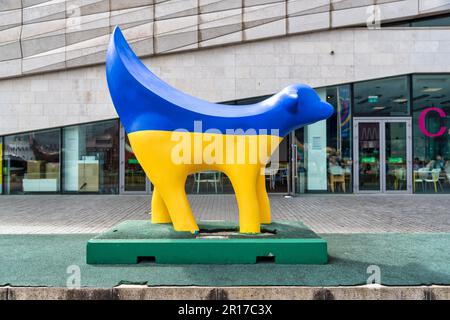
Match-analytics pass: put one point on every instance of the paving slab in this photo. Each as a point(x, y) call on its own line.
point(55, 214)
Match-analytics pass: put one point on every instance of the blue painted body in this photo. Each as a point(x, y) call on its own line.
point(145, 102)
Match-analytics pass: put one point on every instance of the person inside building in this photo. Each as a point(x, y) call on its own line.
point(439, 163)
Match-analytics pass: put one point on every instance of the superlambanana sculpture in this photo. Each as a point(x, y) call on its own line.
point(174, 135)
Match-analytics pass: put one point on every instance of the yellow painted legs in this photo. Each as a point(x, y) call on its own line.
point(168, 161)
point(243, 179)
point(253, 203)
point(173, 194)
point(160, 214)
point(263, 199)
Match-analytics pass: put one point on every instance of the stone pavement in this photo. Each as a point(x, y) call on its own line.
point(50, 214)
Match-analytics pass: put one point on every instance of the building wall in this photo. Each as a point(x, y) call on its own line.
point(42, 35)
point(231, 72)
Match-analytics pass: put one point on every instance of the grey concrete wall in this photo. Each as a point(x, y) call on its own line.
point(137, 292)
point(226, 73)
point(42, 35)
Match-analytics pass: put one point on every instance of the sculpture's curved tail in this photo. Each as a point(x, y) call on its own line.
point(145, 102)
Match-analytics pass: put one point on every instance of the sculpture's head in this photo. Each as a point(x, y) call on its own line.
point(304, 106)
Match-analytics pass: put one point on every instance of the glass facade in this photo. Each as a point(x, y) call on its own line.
point(91, 158)
point(431, 133)
point(369, 151)
point(396, 149)
point(31, 162)
point(387, 135)
point(323, 151)
point(134, 175)
point(1, 165)
point(380, 98)
point(427, 22)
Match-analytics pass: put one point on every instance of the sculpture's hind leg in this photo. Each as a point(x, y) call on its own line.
point(160, 214)
point(174, 195)
point(243, 179)
point(263, 198)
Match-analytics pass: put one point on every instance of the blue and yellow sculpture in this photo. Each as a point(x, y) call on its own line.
point(174, 135)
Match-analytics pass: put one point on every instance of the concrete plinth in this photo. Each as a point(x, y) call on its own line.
point(133, 241)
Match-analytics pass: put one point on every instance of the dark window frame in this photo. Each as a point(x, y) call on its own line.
point(118, 123)
point(409, 22)
point(3, 138)
point(61, 154)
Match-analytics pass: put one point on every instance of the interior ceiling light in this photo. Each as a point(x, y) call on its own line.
point(400, 100)
point(431, 89)
point(379, 108)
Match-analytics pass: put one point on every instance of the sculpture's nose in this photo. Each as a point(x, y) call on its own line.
point(326, 110)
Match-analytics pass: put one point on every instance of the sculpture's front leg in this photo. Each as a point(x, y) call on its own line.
point(173, 193)
point(243, 178)
point(160, 213)
point(263, 198)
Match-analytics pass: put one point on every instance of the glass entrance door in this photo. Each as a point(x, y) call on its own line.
point(369, 156)
point(382, 155)
point(132, 177)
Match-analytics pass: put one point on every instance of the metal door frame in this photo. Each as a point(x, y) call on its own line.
point(292, 150)
point(382, 123)
point(122, 169)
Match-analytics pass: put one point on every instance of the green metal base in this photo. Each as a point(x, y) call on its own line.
point(133, 241)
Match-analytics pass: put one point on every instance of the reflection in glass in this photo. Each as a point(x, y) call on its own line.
point(90, 154)
point(31, 162)
point(431, 154)
point(134, 174)
point(369, 156)
point(339, 141)
point(1, 165)
point(277, 176)
point(209, 182)
point(396, 159)
point(337, 136)
point(384, 97)
point(299, 161)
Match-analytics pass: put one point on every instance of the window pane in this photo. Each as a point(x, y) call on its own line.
point(396, 141)
point(316, 152)
point(385, 97)
point(135, 178)
point(1, 165)
point(369, 156)
point(277, 175)
point(431, 124)
point(339, 143)
point(324, 150)
point(435, 21)
point(31, 162)
point(90, 154)
point(441, 21)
